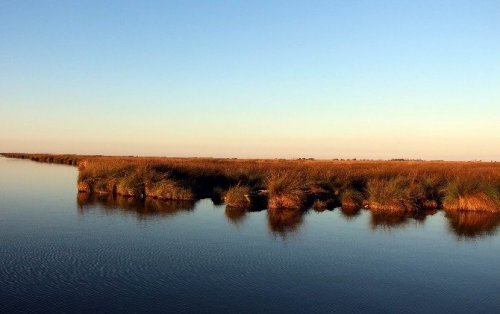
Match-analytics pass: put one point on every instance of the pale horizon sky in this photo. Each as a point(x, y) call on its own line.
point(258, 79)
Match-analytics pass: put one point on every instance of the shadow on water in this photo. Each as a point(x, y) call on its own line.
point(284, 221)
point(142, 208)
point(473, 224)
point(350, 212)
point(235, 215)
point(388, 220)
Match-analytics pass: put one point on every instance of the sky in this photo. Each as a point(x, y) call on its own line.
point(254, 79)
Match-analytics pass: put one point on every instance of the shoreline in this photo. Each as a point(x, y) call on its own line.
point(381, 186)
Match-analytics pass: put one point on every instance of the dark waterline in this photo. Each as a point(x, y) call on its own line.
point(60, 251)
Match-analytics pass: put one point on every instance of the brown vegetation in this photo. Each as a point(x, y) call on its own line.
point(394, 194)
point(472, 196)
point(237, 197)
point(392, 186)
point(321, 205)
point(351, 199)
point(286, 190)
point(66, 159)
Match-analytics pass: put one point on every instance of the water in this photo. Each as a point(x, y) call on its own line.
point(63, 253)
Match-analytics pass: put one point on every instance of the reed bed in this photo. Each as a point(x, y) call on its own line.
point(351, 199)
point(393, 194)
point(286, 190)
point(237, 196)
point(472, 195)
point(390, 186)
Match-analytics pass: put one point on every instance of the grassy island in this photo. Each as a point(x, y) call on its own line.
point(386, 186)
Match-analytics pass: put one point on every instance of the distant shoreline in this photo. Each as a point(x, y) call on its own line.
point(43, 157)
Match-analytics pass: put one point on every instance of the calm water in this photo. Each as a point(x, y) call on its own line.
point(60, 252)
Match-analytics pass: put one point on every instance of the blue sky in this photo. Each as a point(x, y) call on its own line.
point(324, 79)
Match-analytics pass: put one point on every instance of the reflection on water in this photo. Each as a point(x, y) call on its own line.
point(389, 220)
point(285, 221)
point(472, 224)
point(59, 253)
point(235, 215)
point(143, 209)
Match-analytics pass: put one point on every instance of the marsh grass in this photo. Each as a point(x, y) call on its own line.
point(321, 205)
point(236, 197)
point(66, 159)
point(285, 191)
point(393, 195)
point(130, 185)
point(472, 196)
point(385, 185)
point(168, 190)
point(351, 199)
point(430, 190)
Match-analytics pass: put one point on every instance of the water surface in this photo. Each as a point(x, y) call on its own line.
point(63, 252)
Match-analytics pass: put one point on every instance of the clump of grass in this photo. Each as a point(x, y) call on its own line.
point(429, 190)
point(350, 213)
point(351, 199)
point(167, 189)
point(321, 205)
point(101, 187)
point(85, 186)
point(130, 185)
point(472, 195)
point(104, 186)
point(236, 197)
point(391, 195)
point(285, 191)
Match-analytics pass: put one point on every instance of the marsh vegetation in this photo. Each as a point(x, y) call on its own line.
point(383, 186)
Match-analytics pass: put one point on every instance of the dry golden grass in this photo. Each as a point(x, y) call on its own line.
point(394, 194)
point(236, 197)
point(351, 199)
point(387, 185)
point(168, 190)
point(286, 190)
point(321, 205)
point(472, 196)
point(49, 158)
